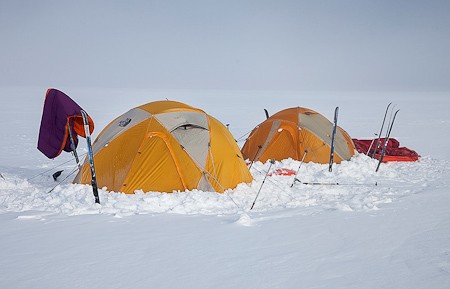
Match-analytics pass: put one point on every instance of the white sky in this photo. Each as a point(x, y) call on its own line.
point(279, 45)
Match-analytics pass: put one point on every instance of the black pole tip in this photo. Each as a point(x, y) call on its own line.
point(56, 175)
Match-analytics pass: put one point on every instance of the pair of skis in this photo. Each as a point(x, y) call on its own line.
point(387, 136)
point(378, 143)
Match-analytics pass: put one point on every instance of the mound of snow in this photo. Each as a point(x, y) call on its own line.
point(359, 188)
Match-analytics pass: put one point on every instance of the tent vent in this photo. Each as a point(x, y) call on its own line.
point(188, 126)
point(124, 123)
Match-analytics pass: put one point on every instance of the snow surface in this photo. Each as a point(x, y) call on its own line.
point(389, 229)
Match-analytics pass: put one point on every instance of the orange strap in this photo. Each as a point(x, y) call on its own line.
point(169, 147)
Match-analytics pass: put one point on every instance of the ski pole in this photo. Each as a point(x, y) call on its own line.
point(253, 160)
point(336, 184)
point(271, 163)
point(368, 150)
point(301, 162)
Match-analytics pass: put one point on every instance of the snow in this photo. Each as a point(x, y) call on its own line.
point(389, 229)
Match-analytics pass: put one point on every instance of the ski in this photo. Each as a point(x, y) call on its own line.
point(90, 155)
point(330, 167)
point(381, 131)
point(386, 140)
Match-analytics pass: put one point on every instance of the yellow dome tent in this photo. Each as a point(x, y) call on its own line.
point(291, 132)
point(166, 146)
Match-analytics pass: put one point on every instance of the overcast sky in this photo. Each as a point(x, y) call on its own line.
point(261, 45)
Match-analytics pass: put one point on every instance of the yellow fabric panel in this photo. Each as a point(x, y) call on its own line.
point(113, 162)
point(154, 169)
point(318, 150)
point(283, 144)
point(225, 163)
point(162, 106)
point(161, 164)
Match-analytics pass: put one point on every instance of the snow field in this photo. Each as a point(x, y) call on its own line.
point(359, 189)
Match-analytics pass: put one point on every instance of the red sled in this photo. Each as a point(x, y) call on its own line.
point(393, 153)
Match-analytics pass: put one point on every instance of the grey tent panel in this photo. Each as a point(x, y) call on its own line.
point(323, 128)
point(191, 131)
point(204, 185)
point(120, 125)
point(173, 120)
point(195, 142)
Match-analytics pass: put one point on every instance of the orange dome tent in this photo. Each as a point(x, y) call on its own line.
point(166, 146)
point(292, 132)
